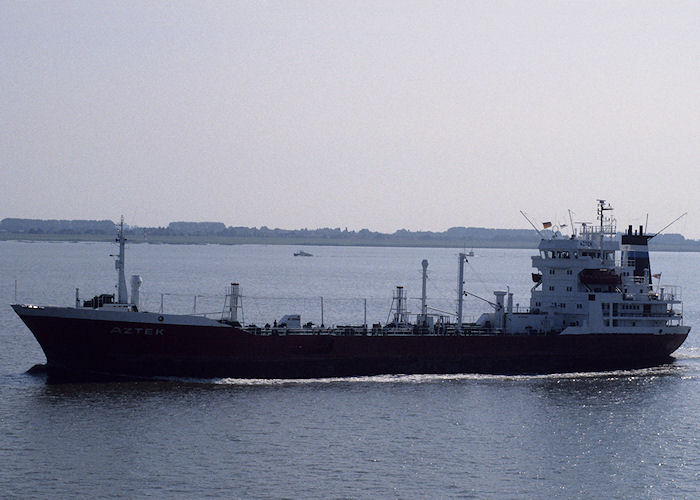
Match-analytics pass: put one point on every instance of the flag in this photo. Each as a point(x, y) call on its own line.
point(657, 276)
point(547, 224)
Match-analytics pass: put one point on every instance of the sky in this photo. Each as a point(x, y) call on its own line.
point(376, 114)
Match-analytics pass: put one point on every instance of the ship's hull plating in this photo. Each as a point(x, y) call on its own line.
point(160, 346)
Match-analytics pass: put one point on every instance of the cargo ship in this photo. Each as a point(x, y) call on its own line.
point(593, 306)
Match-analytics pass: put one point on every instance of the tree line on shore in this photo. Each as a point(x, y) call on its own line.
point(218, 231)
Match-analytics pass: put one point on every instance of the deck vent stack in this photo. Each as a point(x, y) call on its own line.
point(400, 302)
point(500, 309)
point(234, 294)
point(136, 282)
point(509, 303)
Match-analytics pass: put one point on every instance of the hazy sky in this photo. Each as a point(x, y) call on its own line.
point(380, 115)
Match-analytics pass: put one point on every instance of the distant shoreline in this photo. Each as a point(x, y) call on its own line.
point(352, 241)
point(253, 240)
point(202, 233)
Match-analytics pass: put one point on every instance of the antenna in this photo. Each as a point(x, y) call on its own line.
point(528, 219)
point(669, 225)
point(571, 220)
point(602, 208)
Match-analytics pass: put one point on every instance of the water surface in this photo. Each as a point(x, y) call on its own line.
point(624, 434)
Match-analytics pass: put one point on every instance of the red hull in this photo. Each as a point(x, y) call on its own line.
point(147, 349)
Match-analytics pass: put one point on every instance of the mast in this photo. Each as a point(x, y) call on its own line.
point(602, 208)
point(460, 298)
point(119, 265)
point(422, 318)
point(423, 299)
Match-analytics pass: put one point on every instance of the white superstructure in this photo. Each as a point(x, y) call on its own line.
point(583, 286)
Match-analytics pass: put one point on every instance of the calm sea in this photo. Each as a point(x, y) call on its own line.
point(623, 434)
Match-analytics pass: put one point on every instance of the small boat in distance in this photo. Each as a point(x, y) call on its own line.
point(302, 253)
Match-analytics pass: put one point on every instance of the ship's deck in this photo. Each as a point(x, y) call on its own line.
point(375, 330)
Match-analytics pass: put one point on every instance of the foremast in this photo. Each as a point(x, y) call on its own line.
point(122, 297)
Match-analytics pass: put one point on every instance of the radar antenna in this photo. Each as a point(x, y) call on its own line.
point(602, 208)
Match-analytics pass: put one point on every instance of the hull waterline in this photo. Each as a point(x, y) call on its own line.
point(165, 348)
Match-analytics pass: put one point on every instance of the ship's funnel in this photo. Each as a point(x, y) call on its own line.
point(635, 252)
point(136, 282)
